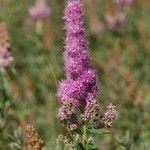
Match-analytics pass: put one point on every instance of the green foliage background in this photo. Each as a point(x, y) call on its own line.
point(121, 57)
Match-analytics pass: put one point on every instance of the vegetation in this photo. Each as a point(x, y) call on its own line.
point(28, 86)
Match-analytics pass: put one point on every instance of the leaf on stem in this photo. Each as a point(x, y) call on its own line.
point(98, 131)
point(92, 146)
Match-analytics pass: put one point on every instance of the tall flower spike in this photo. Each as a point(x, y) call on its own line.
point(95, 25)
point(6, 57)
point(39, 10)
point(115, 20)
point(33, 141)
point(80, 84)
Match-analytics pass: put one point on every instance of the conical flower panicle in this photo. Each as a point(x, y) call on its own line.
point(79, 90)
point(80, 83)
point(115, 21)
point(32, 139)
point(114, 18)
point(76, 54)
point(4, 39)
point(6, 57)
point(40, 10)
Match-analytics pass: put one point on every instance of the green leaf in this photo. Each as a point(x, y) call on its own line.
point(92, 146)
point(80, 145)
point(99, 131)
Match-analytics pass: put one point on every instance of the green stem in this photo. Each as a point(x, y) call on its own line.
point(5, 83)
point(39, 27)
point(84, 138)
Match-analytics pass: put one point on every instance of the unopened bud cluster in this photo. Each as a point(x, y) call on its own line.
point(67, 115)
point(91, 111)
point(106, 119)
point(67, 142)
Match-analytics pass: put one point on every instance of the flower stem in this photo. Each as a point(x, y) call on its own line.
point(84, 137)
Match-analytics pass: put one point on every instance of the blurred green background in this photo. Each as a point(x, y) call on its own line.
point(121, 58)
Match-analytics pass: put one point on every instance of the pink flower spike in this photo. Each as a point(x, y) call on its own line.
point(39, 10)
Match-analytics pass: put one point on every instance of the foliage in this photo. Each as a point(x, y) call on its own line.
point(28, 87)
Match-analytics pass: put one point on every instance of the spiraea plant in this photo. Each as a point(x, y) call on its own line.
point(32, 139)
point(39, 14)
point(79, 111)
point(25, 137)
point(6, 104)
point(40, 10)
point(6, 57)
point(114, 18)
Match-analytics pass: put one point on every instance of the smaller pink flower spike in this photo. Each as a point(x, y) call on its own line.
point(39, 10)
point(115, 21)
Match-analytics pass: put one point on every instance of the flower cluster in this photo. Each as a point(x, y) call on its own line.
point(95, 25)
point(125, 2)
point(106, 119)
point(80, 84)
point(91, 111)
point(67, 116)
point(115, 20)
point(32, 139)
point(39, 10)
point(6, 57)
point(79, 90)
